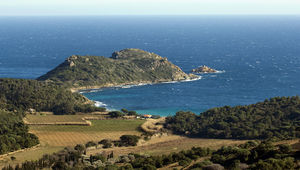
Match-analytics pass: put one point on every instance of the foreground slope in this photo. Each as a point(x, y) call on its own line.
point(128, 66)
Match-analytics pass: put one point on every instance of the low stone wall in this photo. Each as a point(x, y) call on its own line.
point(17, 151)
point(87, 123)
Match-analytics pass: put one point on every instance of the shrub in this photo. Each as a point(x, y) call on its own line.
point(129, 140)
point(107, 145)
point(124, 110)
point(155, 117)
point(80, 148)
point(116, 114)
point(183, 163)
point(104, 141)
point(132, 113)
point(90, 144)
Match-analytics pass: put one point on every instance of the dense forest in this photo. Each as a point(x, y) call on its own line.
point(14, 133)
point(22, 94)
point(277, 118)
point(256, 155)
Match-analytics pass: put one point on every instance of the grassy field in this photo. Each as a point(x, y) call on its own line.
point(30, 154)
point(97, 126)
point(70, 135)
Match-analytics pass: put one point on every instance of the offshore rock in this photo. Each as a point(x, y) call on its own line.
point(204, 69)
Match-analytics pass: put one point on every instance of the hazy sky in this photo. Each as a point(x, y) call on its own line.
point(148, 7)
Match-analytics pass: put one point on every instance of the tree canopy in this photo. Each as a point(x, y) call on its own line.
point(42, 96)
point(277, 117)
point(14, 133)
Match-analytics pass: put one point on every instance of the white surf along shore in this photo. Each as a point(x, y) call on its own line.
point(102, 104)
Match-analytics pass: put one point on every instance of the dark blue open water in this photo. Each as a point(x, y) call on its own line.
point(260, 55)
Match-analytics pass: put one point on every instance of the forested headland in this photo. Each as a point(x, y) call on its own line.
point(277, 118)
point(20, 94)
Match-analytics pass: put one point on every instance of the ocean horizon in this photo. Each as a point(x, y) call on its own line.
point(259, 56)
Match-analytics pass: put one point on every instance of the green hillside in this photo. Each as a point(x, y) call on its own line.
point(129, 66)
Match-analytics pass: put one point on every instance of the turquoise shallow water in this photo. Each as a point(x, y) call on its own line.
point(260, 55)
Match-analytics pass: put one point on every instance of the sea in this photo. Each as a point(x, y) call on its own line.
point(258, 56)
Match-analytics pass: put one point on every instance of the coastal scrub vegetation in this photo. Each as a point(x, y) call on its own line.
point(128, 66)
point(256, 155)
point(277, 118)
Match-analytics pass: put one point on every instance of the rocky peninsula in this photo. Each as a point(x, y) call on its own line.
point(125, 67)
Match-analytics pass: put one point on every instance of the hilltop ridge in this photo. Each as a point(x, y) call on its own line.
point(128, 66)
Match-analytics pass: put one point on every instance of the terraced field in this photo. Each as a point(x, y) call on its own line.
point(55, 137)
